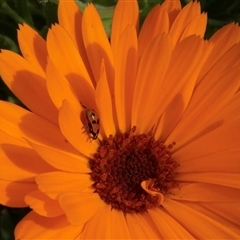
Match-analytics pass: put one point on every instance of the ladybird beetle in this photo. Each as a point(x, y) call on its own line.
point(93, 122)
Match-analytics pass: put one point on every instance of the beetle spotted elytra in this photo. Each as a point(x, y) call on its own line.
point(93, 122)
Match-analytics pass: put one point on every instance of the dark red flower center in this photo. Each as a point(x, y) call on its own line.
point(123, 162)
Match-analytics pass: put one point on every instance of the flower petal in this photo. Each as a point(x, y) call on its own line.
point(229, 32)
point(196, 27)
point(126, 13)
point(22, 124)
point(12, 193)
point(62, 160)
point(56, 183)
point(203, 227)
point(19, 161)
point(69, 62)
point(153, 67)
point(59, 88)
point(205, 192)
point(174, 111)
point(34, 226)
point(204, 105)
point(20, 75)
point(33, 48)
point(43, 205)
point(184, 18)
point(167, 226)
point(230, 211)
point(156, 23)
point(221, 139)
point(141, 226)
point(222, 161)
point(72, 128)
point(105, 105)
point(80, 207)
point(223, 179)
point(227, 61)
point(173, 8)
point(112, 225)
point(185, 58)
point(70, 18)
point(119, 227)
point(199, 207)
point(125, 75)
point(147, 186)
point(223, 40)
point(97, 44)
point(168, 83)
point(102, 229)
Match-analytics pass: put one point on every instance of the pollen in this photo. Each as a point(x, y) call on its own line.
point(123, 162)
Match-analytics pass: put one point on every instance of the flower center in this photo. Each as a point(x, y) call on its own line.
point(124, 164)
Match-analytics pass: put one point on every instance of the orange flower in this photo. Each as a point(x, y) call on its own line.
point(133, 139)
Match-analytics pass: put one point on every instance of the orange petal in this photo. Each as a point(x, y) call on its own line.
point(59, 88)
point(223, 179)
point(156, 23)
point(173, 8)
point(20, 75)
point(225, 51)
point(196, 27)
point(167, 226)
point(96, 43)
point(19, 161)
point(214, 162)
point(228, 112)
point(230, 32)
point(12, 193)
point(112, 225)
point(70, 18)
point(207, 108)
point(220, 139)
point(33, 48)
point(126, 70)
point(119, 227)
point(43, 205)
point(34, 226)
point(80, 207)
point(105, 105)
point(199, 207)
point(163, 92)
point(184, 18)
point(73, 129)
point(204, 192)
point(126, 13)
point(230, 211)
point(153, 67)
point(185, 58)
point(147, 186)
point(22, 124)
point(62, 160)
point(56, 183)
point(202, 227)
point(141, 226)
point(102, 229)
point(175, 109)
point(69, 62)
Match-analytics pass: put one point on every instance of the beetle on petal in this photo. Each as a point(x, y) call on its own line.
point(93, 122)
